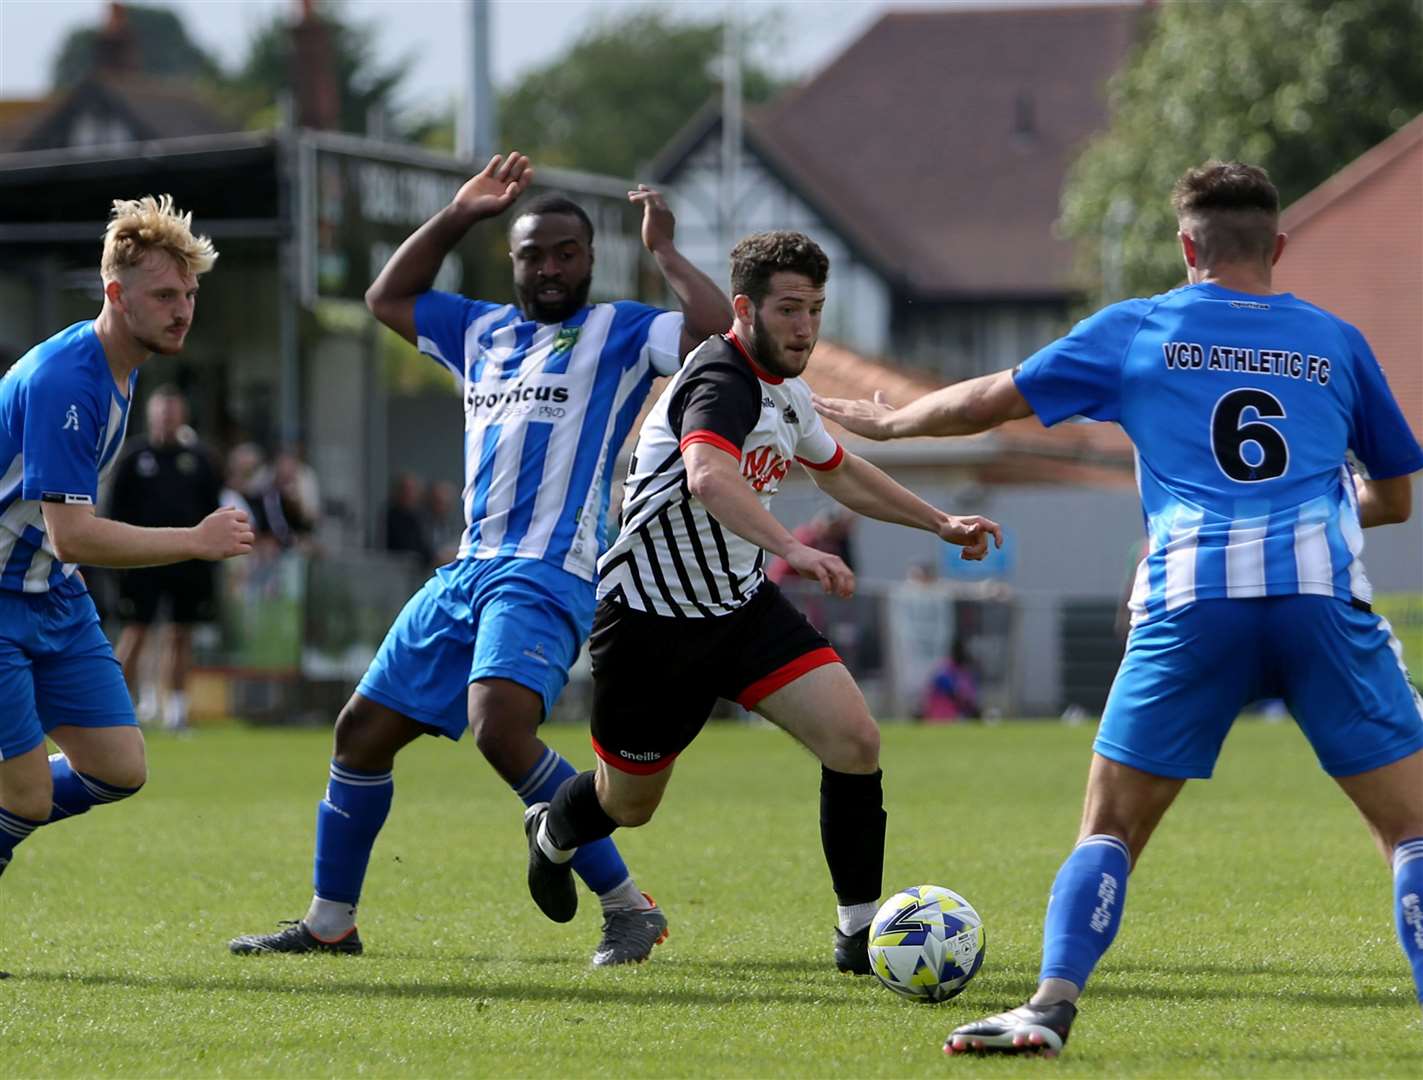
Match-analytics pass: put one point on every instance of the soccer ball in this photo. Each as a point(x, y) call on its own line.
point(926, 943)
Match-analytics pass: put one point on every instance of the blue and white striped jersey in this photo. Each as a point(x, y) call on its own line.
point(1243, 410)
point(62, 421)
point(546, 408)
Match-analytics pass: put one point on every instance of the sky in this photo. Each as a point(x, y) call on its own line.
point(527, 33)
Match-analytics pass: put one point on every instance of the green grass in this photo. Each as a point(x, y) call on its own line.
point(1257, 939)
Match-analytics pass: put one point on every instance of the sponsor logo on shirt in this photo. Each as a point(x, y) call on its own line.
point(71, 419)
point(542, 402)
point(764, 468)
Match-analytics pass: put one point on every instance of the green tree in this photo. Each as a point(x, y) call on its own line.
point(1299, 88)
point(163, 48)
point(364, 85)
point(621, 92)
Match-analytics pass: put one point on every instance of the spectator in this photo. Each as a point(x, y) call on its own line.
point(286, 499)
point(829, 531)
point(446, 521)
point(405, 526)
point(244, 465)
point(952, 691)
point(168, 479)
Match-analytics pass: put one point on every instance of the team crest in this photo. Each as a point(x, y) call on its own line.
point(564, 340)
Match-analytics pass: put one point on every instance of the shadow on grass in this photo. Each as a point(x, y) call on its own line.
point(602, 992)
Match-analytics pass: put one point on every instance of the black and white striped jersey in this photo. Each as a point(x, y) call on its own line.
point(671, 556)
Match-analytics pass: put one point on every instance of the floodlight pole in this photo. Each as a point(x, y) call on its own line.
point(474, 130)
point(730, 126)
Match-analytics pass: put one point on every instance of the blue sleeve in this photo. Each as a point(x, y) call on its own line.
point(62, 433)
point(1379, 434)
point(441, 319)
point(652, 335)
point(1081, 374)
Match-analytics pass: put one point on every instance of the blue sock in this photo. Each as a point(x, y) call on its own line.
point(1408, 904)
point(598, 864)
point(347, 822)
point(13, 829)
point(75, 792)
point(1085, 908)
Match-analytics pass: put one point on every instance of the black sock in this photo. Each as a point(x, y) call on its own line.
point(575, 817)
point(852, 822)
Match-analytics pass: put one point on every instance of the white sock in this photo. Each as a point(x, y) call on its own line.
point(854, 918)
point(624, 897)
point(555, 854)
point(148, 702)
point(330, 920)
point(175, 710)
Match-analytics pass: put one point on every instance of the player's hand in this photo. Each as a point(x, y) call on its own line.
point(222, 534)
point(834, 576)
point(867, 418)
point(658, 224)
point(970, 533)
point(494, 188)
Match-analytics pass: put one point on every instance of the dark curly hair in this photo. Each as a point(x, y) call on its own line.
point(755, 259)
point(552, 202)
point(1231, 210)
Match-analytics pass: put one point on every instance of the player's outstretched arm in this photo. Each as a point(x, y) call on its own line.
point(412, 269)
point(964, 408)
point(78, 535)
point(869, 491)
point(705, 308)
point(715, 479)
point(1384, 502)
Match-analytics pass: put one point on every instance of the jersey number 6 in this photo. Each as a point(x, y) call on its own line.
point(1229, 436)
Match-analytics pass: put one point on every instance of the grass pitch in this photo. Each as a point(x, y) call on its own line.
point(1257, 938)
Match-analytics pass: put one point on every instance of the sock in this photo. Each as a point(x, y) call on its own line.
point(330, 920)
point(75, 792)
point(575, 817)
point(1085, 908)
point(347, 822)
point(852, 918)
point(626, 897)
point(597, 860)
point(175, 710)
point(13, 829)
point(852, 823)
point(1408, 905)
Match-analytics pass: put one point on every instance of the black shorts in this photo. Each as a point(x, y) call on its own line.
point(656, 678)
point(188, 587)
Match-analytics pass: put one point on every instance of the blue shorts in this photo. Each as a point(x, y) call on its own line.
point(1188, 673)
point(517, 619)
point(56, 667)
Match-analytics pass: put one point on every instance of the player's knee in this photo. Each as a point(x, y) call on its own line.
point(131, 774)
point(360, 739)
point(856, 747)
point(629, 814)
point(503, 745)
point(31, 802)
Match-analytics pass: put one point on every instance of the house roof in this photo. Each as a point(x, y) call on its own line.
point(936, 144)
point(149, 108)
point(1356, 249)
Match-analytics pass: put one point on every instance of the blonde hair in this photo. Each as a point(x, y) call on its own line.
point(138, 226)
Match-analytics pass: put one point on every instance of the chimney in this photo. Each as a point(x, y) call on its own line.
point(116, 48)
point(313, 72)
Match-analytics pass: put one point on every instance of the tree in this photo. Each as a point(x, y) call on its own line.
point(1298, 88)
point(621, 92)
point(162, 48)
point(364, 87)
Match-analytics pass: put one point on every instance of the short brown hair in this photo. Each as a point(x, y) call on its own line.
point(755, 259)
point(138, 226)
point(1230, 210)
